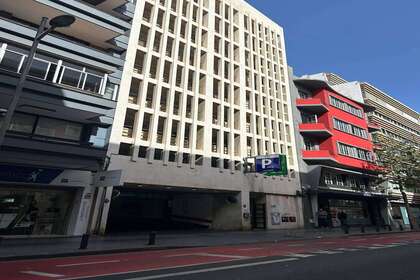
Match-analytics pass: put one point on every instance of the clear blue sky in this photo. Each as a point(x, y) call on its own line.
point(377, 41)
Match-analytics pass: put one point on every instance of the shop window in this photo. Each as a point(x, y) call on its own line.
point(31, 211)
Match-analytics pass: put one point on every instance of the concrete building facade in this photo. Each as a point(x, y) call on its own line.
point(59, 134)
point(205, 85)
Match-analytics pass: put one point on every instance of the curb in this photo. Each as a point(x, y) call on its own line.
point(158, 248)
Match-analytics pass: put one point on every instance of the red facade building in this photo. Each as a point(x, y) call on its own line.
point(337, 162)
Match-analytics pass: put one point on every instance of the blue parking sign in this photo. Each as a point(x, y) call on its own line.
point(271, 164)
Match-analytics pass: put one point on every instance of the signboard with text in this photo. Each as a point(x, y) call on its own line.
point(271, 165)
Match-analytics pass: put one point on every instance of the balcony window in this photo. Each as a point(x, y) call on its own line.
point(58, 129)
point(81, 79)
point(22, 123)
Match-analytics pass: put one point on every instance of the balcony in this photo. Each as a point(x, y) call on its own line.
point(58, 73)
point(313, 105)
point(106, 5)
point(318, 157)
point(314, 130)
point(373, 126)
point(91, 25)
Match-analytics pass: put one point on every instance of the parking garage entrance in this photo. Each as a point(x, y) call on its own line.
point(136, 209)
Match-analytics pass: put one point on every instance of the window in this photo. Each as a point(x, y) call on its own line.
point(354, 152)
point(214, 162)
point(158, 154)
point(22, 123)
point(125, 149)
point(58, 129)
point(334, 101)
point(172, 156)
point(349, 128)
point(142, 152)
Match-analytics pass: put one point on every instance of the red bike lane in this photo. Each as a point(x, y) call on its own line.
point(101, 265)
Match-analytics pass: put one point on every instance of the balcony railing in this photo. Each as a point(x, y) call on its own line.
point(56, 73)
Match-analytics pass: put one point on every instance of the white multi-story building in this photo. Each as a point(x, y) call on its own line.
point(205, 86)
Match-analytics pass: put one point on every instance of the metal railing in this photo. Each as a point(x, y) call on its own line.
point(56, 73)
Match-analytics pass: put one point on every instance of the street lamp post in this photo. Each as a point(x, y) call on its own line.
point(43, 29)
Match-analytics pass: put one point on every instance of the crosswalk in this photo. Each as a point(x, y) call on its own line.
point(351, 249)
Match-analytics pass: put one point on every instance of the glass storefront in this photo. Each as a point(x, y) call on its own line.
point(33, 211)
point(355, 210)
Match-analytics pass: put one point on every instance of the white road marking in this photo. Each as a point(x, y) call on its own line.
point(347, 249)
point(300, 255)
point(223, 256)
point(374, 248)
point(40, 273)
point(328, 242)
point(207, 255)
point(86, 263)
point(213, 269)
point(326, 252)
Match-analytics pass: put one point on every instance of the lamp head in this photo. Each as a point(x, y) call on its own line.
point(62, 21)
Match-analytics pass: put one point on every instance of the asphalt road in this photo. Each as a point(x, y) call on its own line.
point(395, 263)
point(382, 256)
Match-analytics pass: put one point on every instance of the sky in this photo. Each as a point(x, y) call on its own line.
point(376, 41)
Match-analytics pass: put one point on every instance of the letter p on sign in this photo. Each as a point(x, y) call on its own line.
point(266, 162)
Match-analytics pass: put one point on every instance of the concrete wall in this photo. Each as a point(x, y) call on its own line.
point(284, 212)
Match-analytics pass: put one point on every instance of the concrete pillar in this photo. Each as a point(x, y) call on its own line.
point(314, 203)
point(97, 200)
point(243, 197)
point(80, 216)
point(105, 210)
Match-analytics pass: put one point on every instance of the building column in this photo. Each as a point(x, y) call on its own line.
point(314, 204)
point(106, 203)
point(243, 198)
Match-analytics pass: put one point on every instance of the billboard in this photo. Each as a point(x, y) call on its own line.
point(271, 165)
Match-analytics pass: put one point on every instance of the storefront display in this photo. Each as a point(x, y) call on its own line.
point(34, 211)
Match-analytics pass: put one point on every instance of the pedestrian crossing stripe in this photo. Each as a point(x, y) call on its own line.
point(326, 252)
point(347, 249)
point(300, 255)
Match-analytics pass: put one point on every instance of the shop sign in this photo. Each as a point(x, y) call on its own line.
point(24, 174)
point(271, 165)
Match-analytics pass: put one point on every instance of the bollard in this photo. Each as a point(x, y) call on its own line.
point(152, 238)
point(362, 229)
point(84, 242)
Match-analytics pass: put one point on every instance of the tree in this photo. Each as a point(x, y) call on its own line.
point(399, 162)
